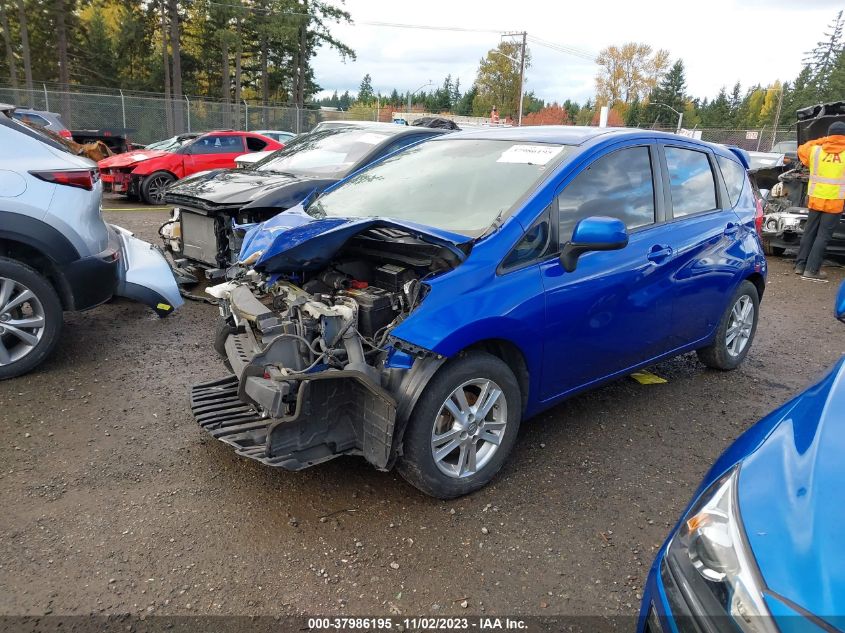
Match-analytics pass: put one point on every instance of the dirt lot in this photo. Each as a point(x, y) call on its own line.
point(114, 501)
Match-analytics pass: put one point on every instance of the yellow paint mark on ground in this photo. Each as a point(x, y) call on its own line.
point(647, 378)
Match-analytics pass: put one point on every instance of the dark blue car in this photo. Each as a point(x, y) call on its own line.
point(760, 547)
point(416, 313)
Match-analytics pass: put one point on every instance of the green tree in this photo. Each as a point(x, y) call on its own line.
point(671, 92)
point(634, 113)
point(497, 80)
point(365, 92)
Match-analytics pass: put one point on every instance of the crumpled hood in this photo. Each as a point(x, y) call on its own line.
point(128, 159)
point(240, 186)
point(293, 240)
point(792, 499)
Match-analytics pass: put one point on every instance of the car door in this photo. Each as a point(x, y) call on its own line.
point(614, 311)
point(705, 238)
point(215, 151)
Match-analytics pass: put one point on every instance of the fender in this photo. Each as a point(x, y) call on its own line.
point(39, 235)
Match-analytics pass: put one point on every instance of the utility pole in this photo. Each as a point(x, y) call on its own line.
point(521, 77)
point(777, 120)
point(524, 35)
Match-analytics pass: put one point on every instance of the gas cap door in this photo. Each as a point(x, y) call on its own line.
point(12, 184)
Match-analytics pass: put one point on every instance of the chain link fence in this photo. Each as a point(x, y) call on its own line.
point(145, 118)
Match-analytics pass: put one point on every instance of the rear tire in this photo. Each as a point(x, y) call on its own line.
point(30, 318)
point(735, 331)
point(479, 445)
point(153, 186)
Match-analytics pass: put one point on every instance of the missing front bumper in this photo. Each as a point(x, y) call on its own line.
point(336, 413)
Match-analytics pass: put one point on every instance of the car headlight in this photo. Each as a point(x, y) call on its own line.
point(713, 565)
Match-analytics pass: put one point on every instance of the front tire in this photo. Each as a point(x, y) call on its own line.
point(30, 318)
point(736, 330)
point(463, 427)
point(153, 186)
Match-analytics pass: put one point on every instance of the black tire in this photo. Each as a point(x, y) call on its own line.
point(417, 464)
point(718, 354)
point(221, 333)
point(768, 249)
point(44, 294)
point(152, 186)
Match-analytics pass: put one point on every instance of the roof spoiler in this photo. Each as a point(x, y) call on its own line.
point(741, 154)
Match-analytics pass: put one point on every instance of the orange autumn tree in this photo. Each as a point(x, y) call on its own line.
point(614, 119)
point(552, 114)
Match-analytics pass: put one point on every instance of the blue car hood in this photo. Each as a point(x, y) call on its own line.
point(792, 499)
point(293, 240)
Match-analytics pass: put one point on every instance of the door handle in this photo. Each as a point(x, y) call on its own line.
point(659, 253)
point(731, 228)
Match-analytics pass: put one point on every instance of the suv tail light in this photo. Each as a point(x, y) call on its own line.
point(758, 216)
point(80, 178)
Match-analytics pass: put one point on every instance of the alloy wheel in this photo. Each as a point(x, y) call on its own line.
point(22, 321)
point(156, 188)
point(469, 428)
point(740, 325)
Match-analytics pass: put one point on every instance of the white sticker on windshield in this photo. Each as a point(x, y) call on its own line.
point(529, 154)
point(370, 138)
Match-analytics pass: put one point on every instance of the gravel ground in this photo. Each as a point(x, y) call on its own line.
point(114, 501)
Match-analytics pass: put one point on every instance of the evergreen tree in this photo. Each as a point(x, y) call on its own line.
point(824, 56)
point(365, 92)
point(634, 113)
point(464, 105)
point(671, 92)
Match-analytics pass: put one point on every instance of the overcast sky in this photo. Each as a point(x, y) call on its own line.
point(720, 41)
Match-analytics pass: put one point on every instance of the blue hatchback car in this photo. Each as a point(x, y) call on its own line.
point(759, 549)
point(417, 312)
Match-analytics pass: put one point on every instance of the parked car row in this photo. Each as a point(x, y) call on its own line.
point(410, 296)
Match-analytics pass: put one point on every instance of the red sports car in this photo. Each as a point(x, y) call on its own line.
point(146, 173)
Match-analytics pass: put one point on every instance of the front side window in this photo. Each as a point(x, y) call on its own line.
point(734, 175)
point(619, 185)
point(460, 185)
point(691, 181)
point(536, 243)
point(217, 145)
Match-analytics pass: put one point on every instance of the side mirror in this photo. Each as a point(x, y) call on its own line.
point(839, 306)
point(593, 234)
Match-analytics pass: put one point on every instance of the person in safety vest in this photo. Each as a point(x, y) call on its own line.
point(826, 159)
point(494, 116)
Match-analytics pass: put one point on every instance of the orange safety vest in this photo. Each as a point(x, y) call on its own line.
point(827, 174)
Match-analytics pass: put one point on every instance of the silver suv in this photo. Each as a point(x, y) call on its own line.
point(56, 251)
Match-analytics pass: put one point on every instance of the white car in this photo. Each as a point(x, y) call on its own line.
point(56, 252)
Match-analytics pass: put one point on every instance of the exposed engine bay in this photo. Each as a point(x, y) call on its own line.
point(316, 370)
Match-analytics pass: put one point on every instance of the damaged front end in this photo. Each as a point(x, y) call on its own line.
point(316, 372)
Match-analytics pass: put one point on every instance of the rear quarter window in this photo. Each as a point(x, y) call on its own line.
point(735, 178)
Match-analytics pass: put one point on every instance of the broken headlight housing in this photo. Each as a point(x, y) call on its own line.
point(712, 566)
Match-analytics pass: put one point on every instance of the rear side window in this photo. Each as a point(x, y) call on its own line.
point(31, 132)
point(691, 181)
point(255, 144)
point(735, 177)
point(217, 145)
point(32, 119)
point(618, 185)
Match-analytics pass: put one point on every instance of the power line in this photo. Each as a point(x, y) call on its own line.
point(425, 27)
point(562, 48)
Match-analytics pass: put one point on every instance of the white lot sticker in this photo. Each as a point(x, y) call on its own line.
point(371, 138)
point(529, 154)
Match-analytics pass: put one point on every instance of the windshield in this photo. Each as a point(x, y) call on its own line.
point(456, 185)
point(170, 144)
point(330, 153)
